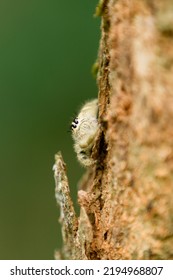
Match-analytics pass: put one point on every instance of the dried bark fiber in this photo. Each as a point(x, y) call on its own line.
point(126, 199)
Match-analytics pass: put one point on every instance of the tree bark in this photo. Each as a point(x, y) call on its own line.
point(126, 199)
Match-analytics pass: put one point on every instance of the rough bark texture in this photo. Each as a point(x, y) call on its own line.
point(127, 198)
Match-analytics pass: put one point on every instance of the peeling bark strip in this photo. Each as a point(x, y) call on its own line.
point(126, 199)
point(75, 232)
point(67, 213)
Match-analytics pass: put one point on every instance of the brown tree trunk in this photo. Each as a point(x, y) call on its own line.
point(127, 198)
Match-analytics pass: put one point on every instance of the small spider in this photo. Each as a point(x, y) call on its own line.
point(84, 128)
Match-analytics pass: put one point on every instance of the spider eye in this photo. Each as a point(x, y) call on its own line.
point(76, 121)
point(73, 126)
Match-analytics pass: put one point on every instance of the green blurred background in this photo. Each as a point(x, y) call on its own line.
point(47, 49)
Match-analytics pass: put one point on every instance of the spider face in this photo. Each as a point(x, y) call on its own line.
point(84, 129)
